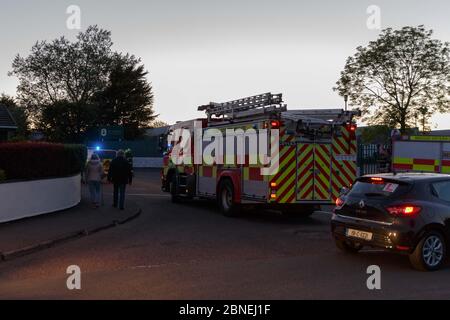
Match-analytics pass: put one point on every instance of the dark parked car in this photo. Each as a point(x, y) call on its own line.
point(406, 213)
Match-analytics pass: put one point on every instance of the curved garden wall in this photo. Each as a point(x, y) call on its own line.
point(31, 198)
point(37, 178)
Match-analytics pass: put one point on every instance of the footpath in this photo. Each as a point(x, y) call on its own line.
point(21, 237)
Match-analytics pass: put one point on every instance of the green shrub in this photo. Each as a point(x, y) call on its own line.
point(2, 175)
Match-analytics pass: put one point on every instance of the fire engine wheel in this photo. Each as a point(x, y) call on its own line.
point(173, 187)
point(225, 199)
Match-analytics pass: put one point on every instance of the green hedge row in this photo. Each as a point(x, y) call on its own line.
point(36, 160)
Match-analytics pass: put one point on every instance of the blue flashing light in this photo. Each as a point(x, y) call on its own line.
point(97, 148)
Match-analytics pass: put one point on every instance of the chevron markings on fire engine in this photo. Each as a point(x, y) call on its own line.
point(344, 170)
point(305, 176)
point(322, 164)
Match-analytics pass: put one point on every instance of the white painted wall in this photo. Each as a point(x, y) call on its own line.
point(31, 198)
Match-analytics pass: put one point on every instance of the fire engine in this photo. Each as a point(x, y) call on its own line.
point(316, 157)
point(421, 153)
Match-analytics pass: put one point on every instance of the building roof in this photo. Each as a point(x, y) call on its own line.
point(445, 132)
point(6, 119)
point(152, 132)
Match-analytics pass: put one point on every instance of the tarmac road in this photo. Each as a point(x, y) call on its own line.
point(190, 251)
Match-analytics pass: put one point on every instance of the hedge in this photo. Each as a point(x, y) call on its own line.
point(37, 160)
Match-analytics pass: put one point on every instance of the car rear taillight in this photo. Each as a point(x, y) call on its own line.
point(377, 180)
point(404, 210)
point(339, 203)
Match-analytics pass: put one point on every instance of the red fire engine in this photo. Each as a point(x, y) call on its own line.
point(316, 157)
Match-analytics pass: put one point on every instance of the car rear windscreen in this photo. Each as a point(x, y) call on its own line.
point(378, 188)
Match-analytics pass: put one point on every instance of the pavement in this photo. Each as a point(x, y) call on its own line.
point(189, 250)
point(28, 235)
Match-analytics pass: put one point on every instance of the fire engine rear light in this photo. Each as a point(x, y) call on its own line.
point(404, 210)
point(275, 124)
point(273, 196)
point(273, 184)
point(351, 127)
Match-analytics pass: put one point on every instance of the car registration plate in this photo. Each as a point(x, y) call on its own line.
point(359, 234)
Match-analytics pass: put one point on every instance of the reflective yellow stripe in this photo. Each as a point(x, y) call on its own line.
point(304, 161)
point(283, 188)
point(246, 173)
point(338, 146)
point(445, 169)
point(400, 160)
point(325, 167)
point(286, 171)
point(423, 167)
point(305, 190)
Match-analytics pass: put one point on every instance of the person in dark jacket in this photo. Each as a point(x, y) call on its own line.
point(120, 174)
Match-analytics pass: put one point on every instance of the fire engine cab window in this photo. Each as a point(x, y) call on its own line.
point(442, 190)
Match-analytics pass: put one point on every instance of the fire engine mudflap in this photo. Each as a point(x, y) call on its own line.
point(316, 157)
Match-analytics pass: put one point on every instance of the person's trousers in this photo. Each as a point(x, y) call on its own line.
point(119, 195)
point(94, 190)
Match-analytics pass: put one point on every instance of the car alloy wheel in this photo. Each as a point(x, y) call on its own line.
point(433, 251)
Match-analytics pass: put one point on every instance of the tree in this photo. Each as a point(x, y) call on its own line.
point(68, 87)
point(127, 99)
point(158, 124)
point(422, 118)
point(398, 76)
point(61, 70)
point(19, 114)
point(60, 121)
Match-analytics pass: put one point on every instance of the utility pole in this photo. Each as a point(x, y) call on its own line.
point(345, 100)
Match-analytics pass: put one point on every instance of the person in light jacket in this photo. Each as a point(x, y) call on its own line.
point(94, 175)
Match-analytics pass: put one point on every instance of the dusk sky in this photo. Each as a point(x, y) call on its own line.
point(205, 50)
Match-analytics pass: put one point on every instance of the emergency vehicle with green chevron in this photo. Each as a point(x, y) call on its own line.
point(316, 152)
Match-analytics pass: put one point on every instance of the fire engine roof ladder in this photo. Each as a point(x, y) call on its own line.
point(321, 116)
point(245, 107)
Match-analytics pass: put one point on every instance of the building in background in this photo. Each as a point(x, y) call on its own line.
point(147, 151)
point(7, 124)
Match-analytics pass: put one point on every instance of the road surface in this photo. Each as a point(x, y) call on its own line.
point(190, 251)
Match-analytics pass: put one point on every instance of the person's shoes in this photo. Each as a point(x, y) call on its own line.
point(114, 206)
point(122, 209)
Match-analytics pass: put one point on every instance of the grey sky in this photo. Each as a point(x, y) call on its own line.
point(200, 51)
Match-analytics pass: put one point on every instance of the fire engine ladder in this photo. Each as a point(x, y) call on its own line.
point(321, 116)
point(245, 107)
